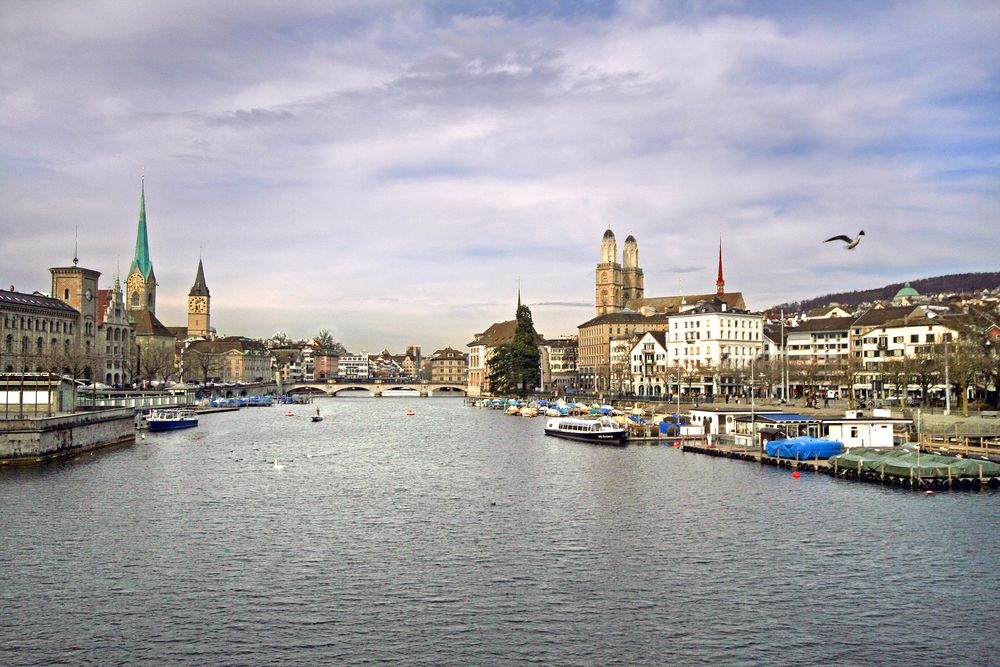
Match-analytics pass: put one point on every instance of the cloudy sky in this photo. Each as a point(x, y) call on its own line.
point(387, 170)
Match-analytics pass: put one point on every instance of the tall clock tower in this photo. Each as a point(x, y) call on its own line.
point(140, 286)
point(199, 302)
point(78, 287)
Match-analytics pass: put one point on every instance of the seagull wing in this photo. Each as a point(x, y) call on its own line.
point(843, 238)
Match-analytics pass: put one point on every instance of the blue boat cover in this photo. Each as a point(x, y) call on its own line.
point(665, 426)
point(804, 447)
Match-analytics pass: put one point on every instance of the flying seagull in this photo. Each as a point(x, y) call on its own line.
point(851, 243)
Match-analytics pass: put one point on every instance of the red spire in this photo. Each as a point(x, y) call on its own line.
point(720, 282)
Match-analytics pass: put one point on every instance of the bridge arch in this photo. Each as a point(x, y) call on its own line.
point(376, 388)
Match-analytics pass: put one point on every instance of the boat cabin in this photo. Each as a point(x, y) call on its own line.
point(855, 430)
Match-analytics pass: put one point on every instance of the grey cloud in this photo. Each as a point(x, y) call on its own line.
point(249, 117)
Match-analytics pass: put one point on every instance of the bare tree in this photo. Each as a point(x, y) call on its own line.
point(156, 362)
point(966, 361)
point(842, 373)
point(205, 365)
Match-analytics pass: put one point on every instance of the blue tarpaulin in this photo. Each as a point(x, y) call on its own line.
point(804, 447)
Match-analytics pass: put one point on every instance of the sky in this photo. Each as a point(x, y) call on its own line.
point(391, 171)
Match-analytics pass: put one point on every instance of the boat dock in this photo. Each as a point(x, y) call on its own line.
point(823, 467)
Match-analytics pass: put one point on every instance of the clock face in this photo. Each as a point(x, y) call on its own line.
point(197, 306)
point(135, 281)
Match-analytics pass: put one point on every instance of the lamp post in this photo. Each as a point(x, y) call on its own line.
point(947, 381)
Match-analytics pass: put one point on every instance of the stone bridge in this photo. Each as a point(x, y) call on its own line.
point(377, 388)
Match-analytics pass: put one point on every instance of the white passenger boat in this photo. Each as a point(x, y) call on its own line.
point(169, 420)
point(603, 430)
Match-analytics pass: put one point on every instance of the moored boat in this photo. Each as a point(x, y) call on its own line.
point(170, 420)
point(603, 430)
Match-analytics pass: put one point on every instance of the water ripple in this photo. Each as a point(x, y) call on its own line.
point(466, 537)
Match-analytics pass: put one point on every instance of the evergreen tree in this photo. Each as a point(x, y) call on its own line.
point(515, 366)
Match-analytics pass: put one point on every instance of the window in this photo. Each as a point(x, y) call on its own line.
point(66, 294)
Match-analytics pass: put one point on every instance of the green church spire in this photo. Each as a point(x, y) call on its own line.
point(141, 259)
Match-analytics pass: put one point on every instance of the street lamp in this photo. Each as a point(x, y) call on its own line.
point(947, 381)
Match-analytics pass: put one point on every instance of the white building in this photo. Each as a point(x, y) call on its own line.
point(648, 358)
point(715, 343)
point(819, 341)
point(855, 431)
point(355, 366)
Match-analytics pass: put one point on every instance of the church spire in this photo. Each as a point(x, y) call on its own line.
point(720, 282)
point(199, 288)
point(141, 259)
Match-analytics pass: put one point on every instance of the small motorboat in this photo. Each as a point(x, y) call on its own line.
point(317, 417)
point(410, 413)
point(289, 413)
point(169, 420)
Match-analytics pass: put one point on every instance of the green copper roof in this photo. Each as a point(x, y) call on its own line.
point(199, 288)
point(141, 259)
point(906, 290)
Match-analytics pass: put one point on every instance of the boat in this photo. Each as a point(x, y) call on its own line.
point(603, 430)
point(410, 413)
point(169, 420)
point(317, 417)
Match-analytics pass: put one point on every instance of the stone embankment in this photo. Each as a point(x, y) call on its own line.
point(39, 439)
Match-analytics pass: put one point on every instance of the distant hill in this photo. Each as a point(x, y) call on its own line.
point(962, 283)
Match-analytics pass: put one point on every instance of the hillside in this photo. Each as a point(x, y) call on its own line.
point(962, 283)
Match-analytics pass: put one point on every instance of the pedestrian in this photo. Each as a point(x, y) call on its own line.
point(826, 401)
point(727, 399)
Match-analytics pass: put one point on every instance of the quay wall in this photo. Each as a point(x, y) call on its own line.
point(39, 439)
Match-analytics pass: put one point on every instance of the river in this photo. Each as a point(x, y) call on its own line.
point(464, 537)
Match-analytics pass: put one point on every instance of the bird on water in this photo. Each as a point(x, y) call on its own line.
point(851, 244)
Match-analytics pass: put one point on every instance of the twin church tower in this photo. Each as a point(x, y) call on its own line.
point(618, 284)
point(621, 286)
point(140, 287)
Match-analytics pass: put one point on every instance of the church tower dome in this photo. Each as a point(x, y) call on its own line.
point(609, 248)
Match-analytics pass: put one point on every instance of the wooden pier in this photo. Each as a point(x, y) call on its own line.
point(822, 467)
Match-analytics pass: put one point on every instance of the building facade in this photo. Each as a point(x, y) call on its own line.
point(37, 333)
point(449, 365)
point(355, 366)
point(116, 337)
point(230, 359)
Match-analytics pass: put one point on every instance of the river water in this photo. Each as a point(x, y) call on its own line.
point(464, 537)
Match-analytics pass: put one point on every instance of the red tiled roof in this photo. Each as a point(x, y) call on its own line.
point(103, 299)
